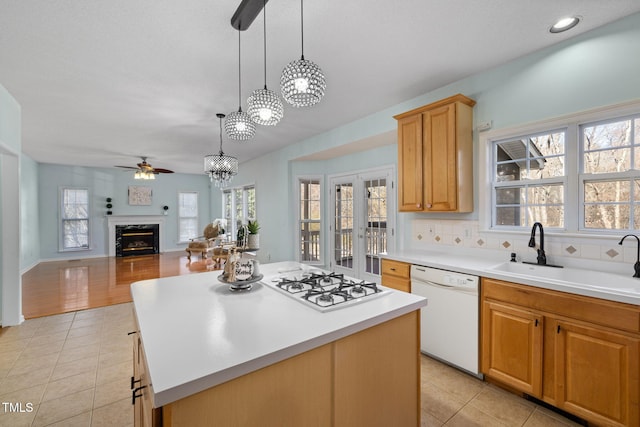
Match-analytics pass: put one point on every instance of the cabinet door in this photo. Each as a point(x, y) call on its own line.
point(410, 163)
point(597, 374)
point(512, 346)
point(440, 159)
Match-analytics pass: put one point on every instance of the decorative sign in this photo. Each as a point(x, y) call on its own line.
point(139, 195)
point(244, 270)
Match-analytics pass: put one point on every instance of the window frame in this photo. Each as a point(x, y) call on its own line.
point(232, 228)
point(180, 217)
point(63, 219)
point(299, 220)
point(575, 179)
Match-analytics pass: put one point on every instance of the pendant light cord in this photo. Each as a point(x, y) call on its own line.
point(302, 26)
point(239, 76)
point(221, 153)
point(264, 16)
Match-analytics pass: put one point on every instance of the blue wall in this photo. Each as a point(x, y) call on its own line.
point(591, 70)
point(114, 183)
point(594, 69)
point(10, 146)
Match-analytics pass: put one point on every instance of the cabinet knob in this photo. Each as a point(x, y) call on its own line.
point(418, 205)
point(429, 205)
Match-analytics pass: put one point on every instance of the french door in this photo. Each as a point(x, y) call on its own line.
point(362, 222)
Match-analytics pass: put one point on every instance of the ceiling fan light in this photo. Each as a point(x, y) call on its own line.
point(265, 107)
point(302, 83)
point(239, 126)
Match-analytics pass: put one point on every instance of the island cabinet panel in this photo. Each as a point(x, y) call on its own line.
point(145, 415)
point(584, 351)
point(377, 362)
point(396, 274)
point(370, 379)
point(294, 392)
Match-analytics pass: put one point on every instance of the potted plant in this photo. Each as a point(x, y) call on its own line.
point(254, 237)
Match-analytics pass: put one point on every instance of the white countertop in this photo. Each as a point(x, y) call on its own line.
point(609, 286)
point(198, 334)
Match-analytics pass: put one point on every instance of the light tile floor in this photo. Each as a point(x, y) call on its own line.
point(453, 398)
point(74, 369)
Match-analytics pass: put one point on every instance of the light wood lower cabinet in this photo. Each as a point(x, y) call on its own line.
point(512, 346)
point(144, 413)
point(396, 275)
point(370, 378)
point(577, 353)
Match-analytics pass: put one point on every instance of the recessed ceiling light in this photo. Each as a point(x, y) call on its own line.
point(564, 24)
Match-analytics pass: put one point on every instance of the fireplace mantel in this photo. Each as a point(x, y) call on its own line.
point(113, 220)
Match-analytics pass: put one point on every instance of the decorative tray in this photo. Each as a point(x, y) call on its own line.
point(241, 285)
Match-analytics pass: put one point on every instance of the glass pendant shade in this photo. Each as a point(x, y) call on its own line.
point(265, 107)
point(302, 83)
point(220, 167)
point(140, 174)
point(239, 126)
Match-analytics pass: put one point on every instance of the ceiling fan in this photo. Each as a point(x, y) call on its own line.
point(144, 170)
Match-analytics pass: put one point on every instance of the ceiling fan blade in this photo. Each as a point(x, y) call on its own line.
point(126, 167)
point(161, 170)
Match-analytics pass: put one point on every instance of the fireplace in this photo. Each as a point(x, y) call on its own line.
point(135, 224)
point(138, 239)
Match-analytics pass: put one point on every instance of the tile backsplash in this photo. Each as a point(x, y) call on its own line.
point(427, 234)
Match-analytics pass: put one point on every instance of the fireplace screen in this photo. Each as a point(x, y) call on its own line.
point(140, 239)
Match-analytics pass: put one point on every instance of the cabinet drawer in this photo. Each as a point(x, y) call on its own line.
point(396, 268)
point(396, 283)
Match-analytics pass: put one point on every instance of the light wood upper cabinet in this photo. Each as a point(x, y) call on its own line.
point(435, 157)
point(577, 353)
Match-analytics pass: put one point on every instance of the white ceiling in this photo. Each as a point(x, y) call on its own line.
point(103, 82)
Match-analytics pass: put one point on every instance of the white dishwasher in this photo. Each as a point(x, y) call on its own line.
point(449, 323)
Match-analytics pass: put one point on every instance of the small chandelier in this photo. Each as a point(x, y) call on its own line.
point(220, 168)
point(302, 82)
point(265, 107)
point(142, 174)
point(238, 124)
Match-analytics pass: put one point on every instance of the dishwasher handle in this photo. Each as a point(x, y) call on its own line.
point(470, 290)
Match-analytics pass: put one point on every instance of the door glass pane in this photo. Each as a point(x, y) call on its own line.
point(309, 220)
point(376, 223)
point(343, 234)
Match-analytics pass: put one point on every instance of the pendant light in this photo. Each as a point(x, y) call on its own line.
point(264, 106)
point(220, 168)
point(238, 124)
point(302, 82)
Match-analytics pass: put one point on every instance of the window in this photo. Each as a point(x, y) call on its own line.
point(309, 221)
point(529, 180)
point(610, 180)
point(238, 207)
point(74, 207)
point(580, 173)
point(187, 216)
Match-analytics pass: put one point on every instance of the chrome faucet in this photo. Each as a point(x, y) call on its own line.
point(542, 258)
point(636, 266)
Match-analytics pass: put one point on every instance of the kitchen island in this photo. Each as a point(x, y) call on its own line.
point(205, 355)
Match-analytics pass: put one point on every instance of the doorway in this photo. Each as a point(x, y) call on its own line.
point(362, 222)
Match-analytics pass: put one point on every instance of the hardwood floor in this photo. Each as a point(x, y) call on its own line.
point(63, 286)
